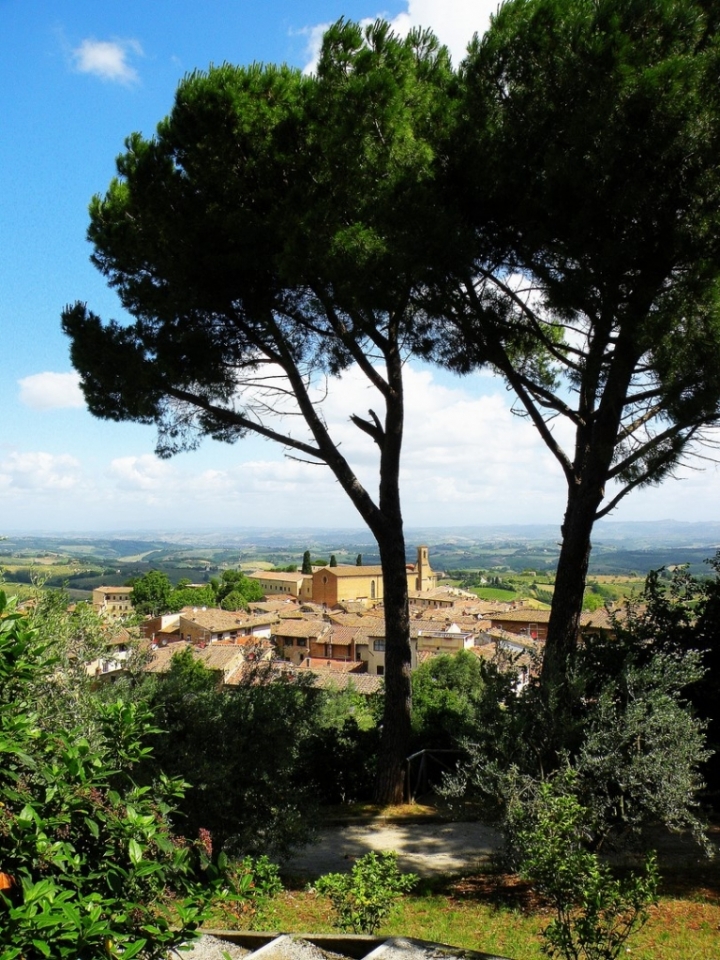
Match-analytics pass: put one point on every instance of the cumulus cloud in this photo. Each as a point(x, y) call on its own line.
point(39, 472)
point(142, 473)
point(467, 460)
point(453, 21)
point(108, 59)
point(46, 391)
point(462, 448)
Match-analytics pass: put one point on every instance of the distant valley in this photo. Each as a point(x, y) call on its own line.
point(81, 561)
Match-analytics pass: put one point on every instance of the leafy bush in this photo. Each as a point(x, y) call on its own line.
point(632, 738)
point(365, 897)
point(249, 886)
point(340, 750)
point(681, 613)
point(93, 864)
point(241, 750)
point(448, 692)
point(595, 913)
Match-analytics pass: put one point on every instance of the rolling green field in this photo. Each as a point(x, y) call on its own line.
point(525, 567)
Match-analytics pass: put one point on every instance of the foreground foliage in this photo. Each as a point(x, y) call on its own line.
point(91, 866)
point(365, 897)
point(595, 913)
point(498, 914)
point(241, 750)
point(632, 739)
point(249, 887)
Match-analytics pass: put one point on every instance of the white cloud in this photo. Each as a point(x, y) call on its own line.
point(463, 453)
point(453, 21)
point(108, 59)
point(144, 473)
point(39, 472)
point(467, 460)
point(47, 391)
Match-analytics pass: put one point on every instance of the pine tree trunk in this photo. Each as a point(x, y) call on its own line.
point(568, 595)
point(395, 737)
point(595, 447)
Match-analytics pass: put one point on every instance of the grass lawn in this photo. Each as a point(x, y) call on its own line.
point(495, 593)
point(497, 913)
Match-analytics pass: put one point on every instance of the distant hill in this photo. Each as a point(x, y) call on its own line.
point(618, 548)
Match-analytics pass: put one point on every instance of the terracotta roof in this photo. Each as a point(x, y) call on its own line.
point(266, 620)
point(220, 657)
point(247, 641)
point(335, 666)
point(301, 628)
point(424, 655)
point(521, 616)
point(277, 575)
point(281, 605)
point(361, 682)
point(215, 656)
point(599, 619)
point(441, 593)
point(342, 636)
point(118, 636)
point(350, 570)
point(220, 621)
point(354, 619)
point(214, 619)
point(262, 671)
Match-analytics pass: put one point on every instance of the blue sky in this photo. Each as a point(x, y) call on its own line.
point(76, 77)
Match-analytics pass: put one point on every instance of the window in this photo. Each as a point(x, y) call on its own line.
point(379, 646)
point(380, 670)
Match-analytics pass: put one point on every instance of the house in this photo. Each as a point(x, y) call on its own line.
point(112, 601)
point(534, 623)
point(222, 659)
point(338, 643)
point(439, 598)
point(113, 660)
point(451, 639)
point(286, 584)
point(293, 638)
point(335, 585)
point(524, 622)
point(205, 626)
point(510, 652)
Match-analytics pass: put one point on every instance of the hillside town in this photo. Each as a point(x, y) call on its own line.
point(331, 623)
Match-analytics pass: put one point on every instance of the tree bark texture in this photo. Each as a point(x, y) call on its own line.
point(395, 737)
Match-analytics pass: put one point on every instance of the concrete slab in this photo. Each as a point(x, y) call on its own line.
point(406, 948)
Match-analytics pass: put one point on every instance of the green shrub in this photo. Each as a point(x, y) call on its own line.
point(595, 913)
point(365, 897)
point(249, 886)
point(242, 751)
point(94, 867)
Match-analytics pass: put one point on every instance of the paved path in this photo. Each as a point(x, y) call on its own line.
point(428, 849)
